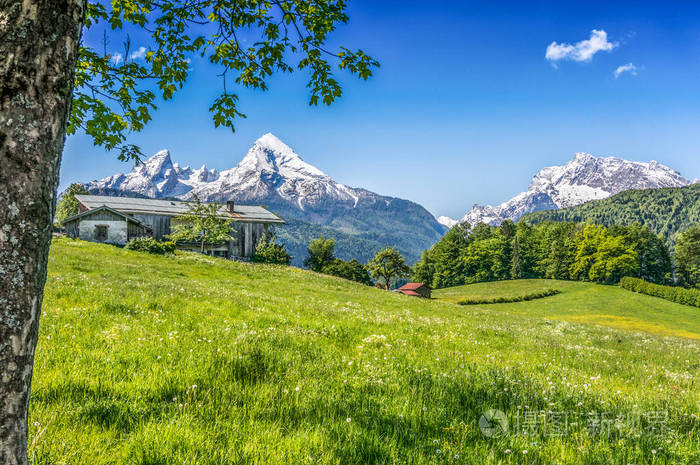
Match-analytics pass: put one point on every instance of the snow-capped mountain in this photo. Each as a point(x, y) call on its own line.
point(446, 221)
point(583, 178)
point(271, 173)
point(270, 168)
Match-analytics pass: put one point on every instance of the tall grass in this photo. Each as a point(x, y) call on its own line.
point(188, 359)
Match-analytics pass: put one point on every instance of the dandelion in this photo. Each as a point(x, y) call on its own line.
point(507, 451)
point(456, 456)
point(194, 386)
point(438, 451)
point(653, 451)
point(435, 441)
point(524, 452)
point(297, 389)
point(348, 419)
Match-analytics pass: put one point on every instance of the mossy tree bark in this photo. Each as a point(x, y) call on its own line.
point(39, 42)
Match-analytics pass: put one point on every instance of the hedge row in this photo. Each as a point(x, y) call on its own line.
point(679, 295)
point(505, 300)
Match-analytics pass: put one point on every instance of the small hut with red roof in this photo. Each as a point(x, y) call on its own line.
point(415, 290)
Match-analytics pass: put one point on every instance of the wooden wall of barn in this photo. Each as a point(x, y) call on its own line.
point(160, 224)
point(248, 236)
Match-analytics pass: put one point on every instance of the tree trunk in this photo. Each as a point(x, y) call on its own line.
point(39, 42)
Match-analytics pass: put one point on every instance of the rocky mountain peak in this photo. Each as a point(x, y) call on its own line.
point(585, 177)
point(156, 165)
point(269, 155)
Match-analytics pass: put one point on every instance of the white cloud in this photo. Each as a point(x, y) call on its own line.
point(580, 51)
point(117, 58)
point(140, 53)
point(628, 68)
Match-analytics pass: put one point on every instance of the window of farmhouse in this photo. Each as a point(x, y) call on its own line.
point(101, 232)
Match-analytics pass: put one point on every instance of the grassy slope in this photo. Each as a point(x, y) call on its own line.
point(282, 358)
point(587, 303)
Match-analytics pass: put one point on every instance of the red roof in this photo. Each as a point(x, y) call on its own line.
point(407, 292)
point(411, 286)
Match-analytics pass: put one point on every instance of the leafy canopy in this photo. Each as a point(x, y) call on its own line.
point(68, 204)
point(269, 251)
point(351, 269)
point(115, 93)
point(202, 223)
point(688, 256)
point(321, 252)
point(388, 264)
point(546, 250)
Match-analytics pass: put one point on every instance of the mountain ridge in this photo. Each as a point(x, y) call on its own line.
point(665, 211)
point(273, 174)
point(583, 178)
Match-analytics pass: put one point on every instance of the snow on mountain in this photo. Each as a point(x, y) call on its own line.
point(271, 173)
point(269, 169)
point(446, 221)
point(583, 178)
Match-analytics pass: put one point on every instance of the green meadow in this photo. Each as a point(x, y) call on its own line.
point(188, 359)
point(581, 302)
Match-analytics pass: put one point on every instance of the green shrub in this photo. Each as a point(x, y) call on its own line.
point(679, 295)
point(352, 270)
point(150, 245)
point(268, 251)
point(504, 300)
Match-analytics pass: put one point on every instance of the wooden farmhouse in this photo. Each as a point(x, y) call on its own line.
point(415, 290)
point(117, 220)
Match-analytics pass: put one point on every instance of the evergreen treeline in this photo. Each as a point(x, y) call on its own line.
point(557, 250)
point(665, 211)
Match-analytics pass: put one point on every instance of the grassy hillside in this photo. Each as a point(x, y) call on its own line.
point(665, 211)
point(190, 359)
point(581, 302)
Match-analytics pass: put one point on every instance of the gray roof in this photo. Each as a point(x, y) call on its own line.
point(130, 205)
point(105, 208)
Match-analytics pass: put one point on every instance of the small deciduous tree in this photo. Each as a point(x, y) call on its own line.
point(269, 251)
point(688, 256)
point(388, 264)
point(320, 253)
point(202, 223)
point(352, 270)
point(68, 204)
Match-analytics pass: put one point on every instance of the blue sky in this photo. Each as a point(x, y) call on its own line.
point(466, 107)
